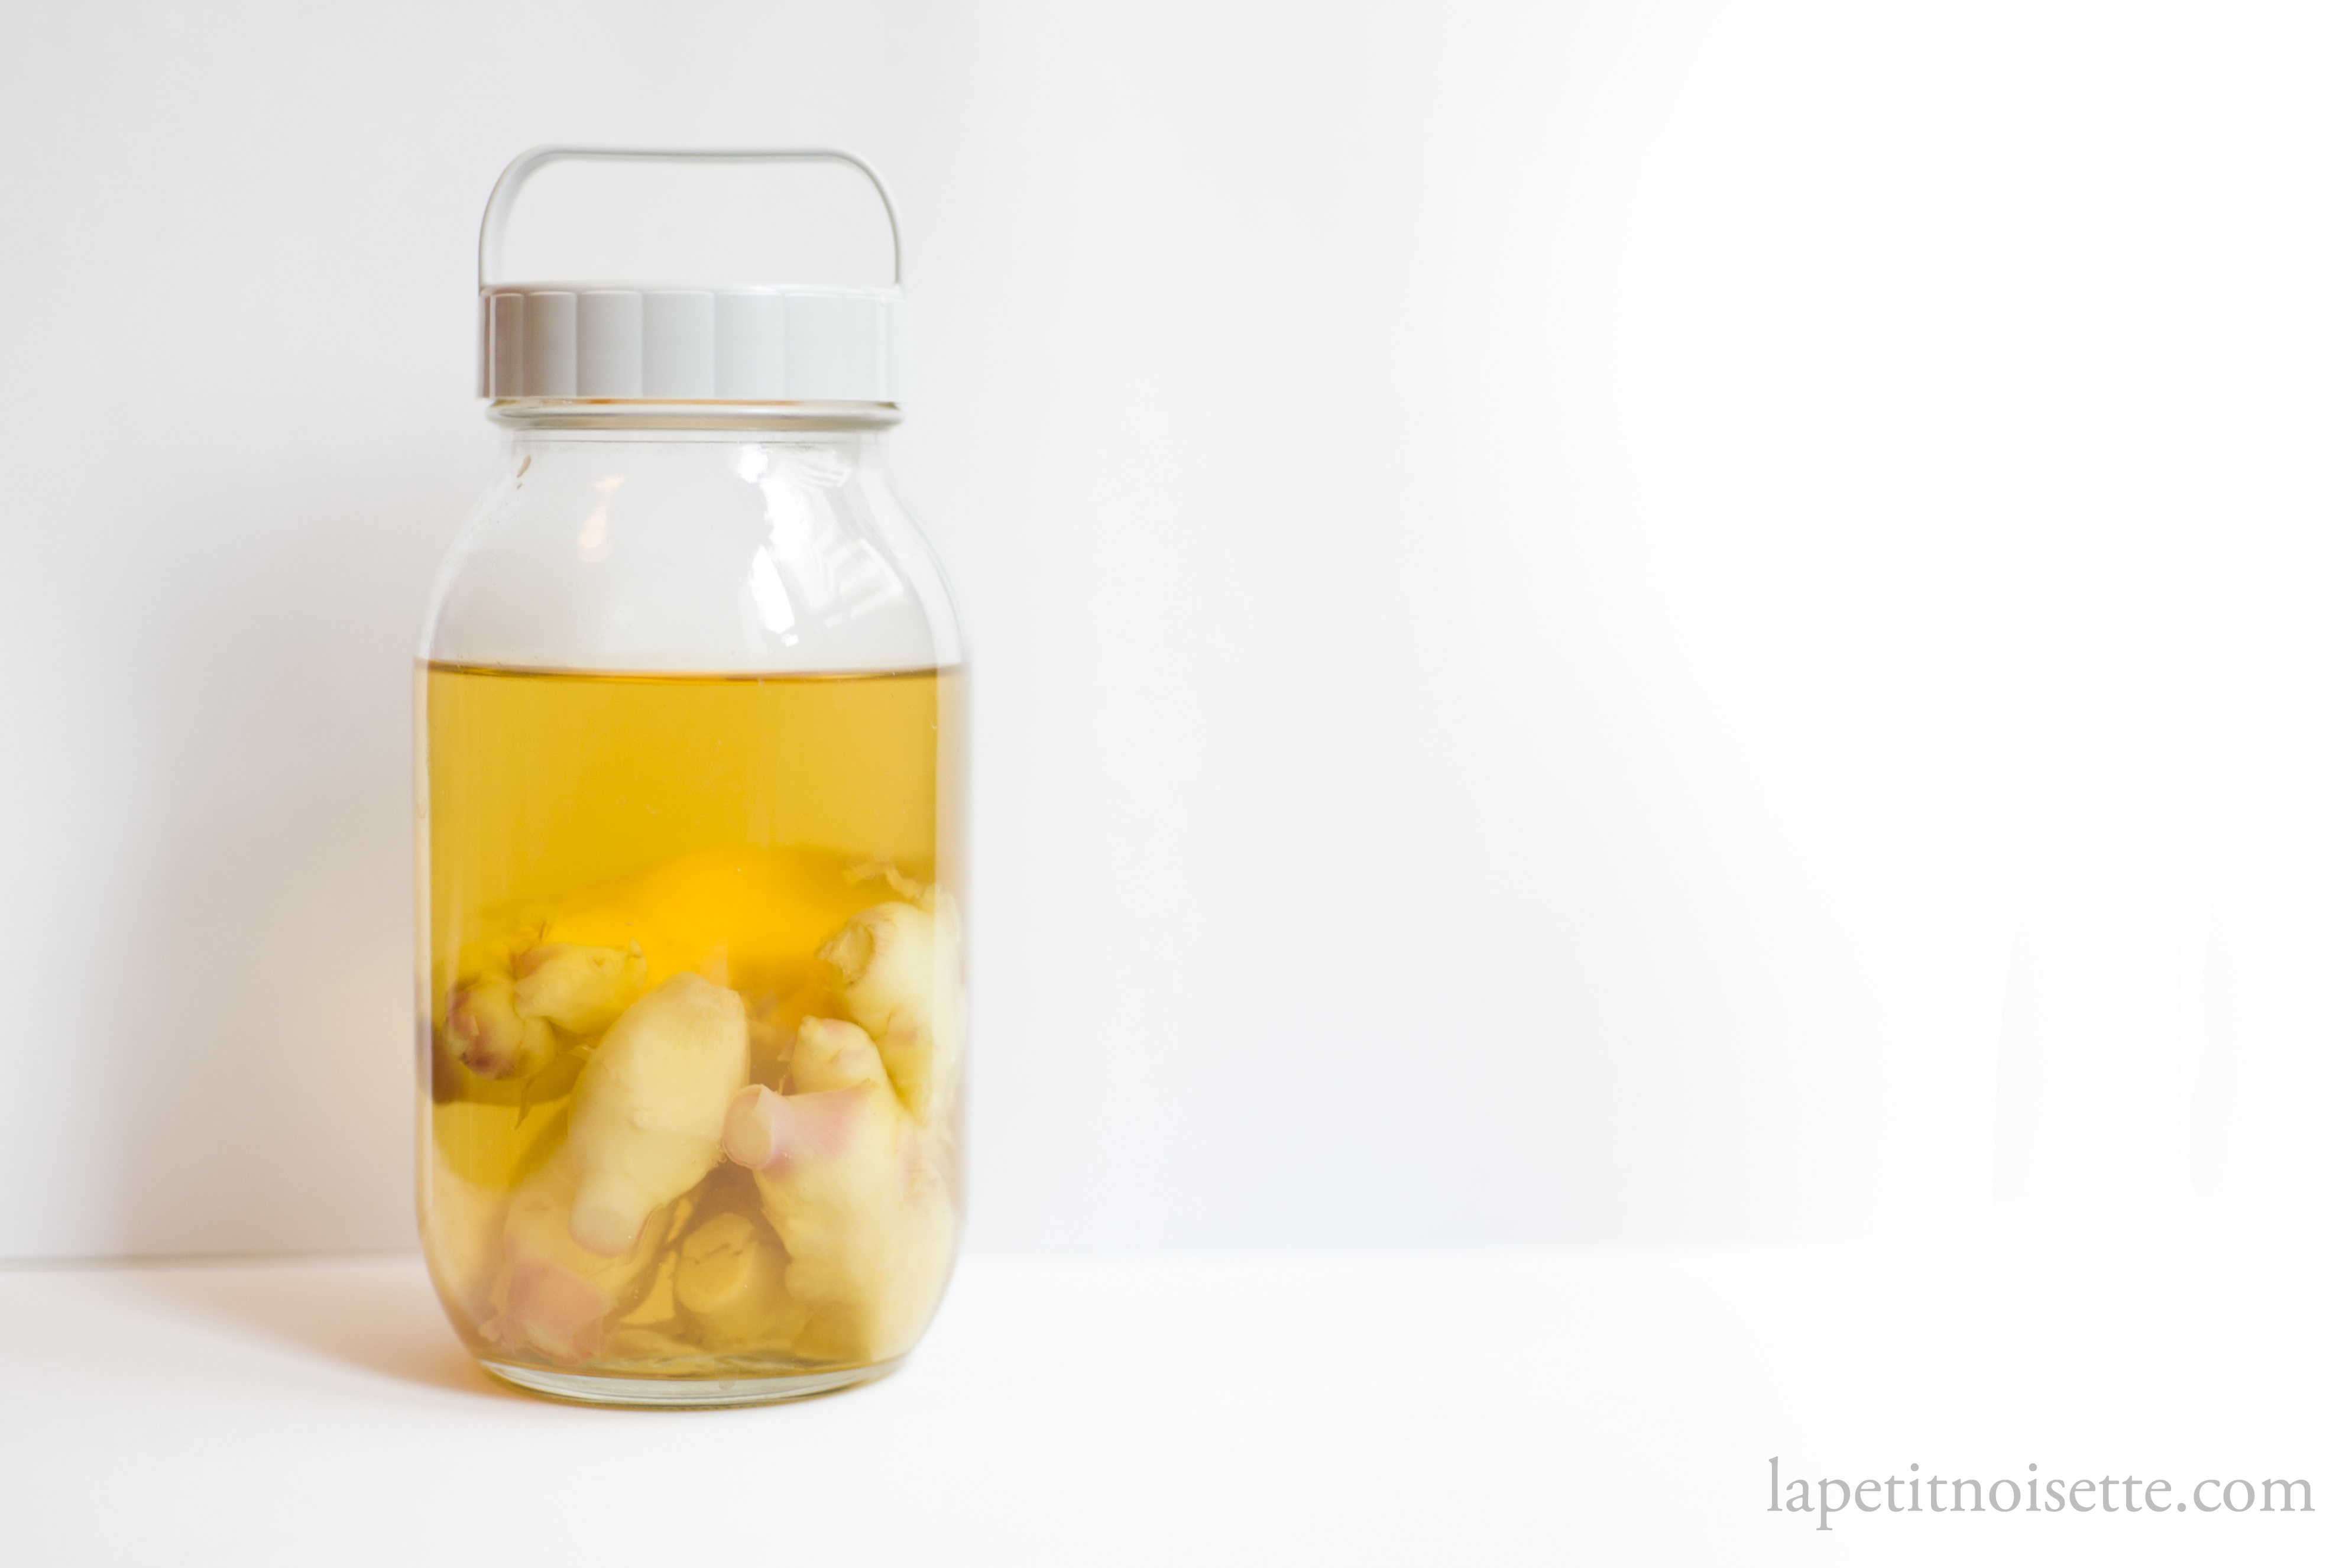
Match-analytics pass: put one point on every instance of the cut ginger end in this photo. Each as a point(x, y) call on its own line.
point(731, 1278)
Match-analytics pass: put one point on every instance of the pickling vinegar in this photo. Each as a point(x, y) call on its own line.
point(610, 863)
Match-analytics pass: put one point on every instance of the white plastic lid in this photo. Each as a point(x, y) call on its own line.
point(737, 342)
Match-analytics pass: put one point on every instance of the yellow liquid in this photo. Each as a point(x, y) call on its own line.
point(721, 828)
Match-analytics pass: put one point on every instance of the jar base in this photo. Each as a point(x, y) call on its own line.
point(683, 1393)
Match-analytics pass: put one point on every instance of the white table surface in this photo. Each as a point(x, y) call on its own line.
point(1595, 1405)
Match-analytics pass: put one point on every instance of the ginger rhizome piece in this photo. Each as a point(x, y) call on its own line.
point(648, 1109)
point(503, 1025)
point(553, 1295)
point(579, 989)
point(900, 978)
point(490, 1036)
point(730, 1277)
point(606, 1184)
point(463, 1242)
point(853, 1184)
point(477, 1154)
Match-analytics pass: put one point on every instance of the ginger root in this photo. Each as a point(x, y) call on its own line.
point(503, 1025)
point(650, 1105)
point(901, 980)
point(580, 990)
point(851, 1182)
point(730, 1277)
point(553, 1295)
point(466, 1222)
point(631, 1233)
point(490, 1036)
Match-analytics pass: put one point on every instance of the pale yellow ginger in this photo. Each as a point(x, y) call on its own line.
point(649, 1108)
point(553, 1296)
point(852, 1182)
point(490, 1036)
point(730, 1277)
point(620, 1101)
point(504, 1026)
point(464, 1240)
point(900, 968)
point(578, 989)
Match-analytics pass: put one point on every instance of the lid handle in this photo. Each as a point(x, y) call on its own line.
point(502, 194)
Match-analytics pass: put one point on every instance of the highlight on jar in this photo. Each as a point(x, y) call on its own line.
point(671, 1136)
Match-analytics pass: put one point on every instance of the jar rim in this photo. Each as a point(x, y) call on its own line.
point(687, 413)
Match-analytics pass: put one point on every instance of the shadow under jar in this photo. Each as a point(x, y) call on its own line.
point(690, 736)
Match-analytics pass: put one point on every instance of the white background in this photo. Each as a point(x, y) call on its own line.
point(1618, 622)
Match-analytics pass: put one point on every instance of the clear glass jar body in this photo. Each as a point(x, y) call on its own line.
point(690, 793)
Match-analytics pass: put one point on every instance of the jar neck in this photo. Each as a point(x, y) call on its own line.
point(605, 418)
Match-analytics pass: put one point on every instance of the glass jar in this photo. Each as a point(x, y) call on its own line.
point(690, 799)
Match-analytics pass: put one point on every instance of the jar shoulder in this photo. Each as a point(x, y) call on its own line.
point(753, 556)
